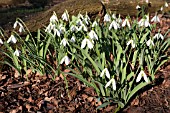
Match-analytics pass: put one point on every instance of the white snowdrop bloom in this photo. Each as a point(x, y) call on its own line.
point(73, 28)
point(88, 42)
point(166, 4)
point(107, 18)
point(138, 7)
point(161, 9)
point(113, 82)
point(62, 29)
point(79, 22)
point(1, 42)
point(147, 1)
point(131, 42)
point(82, 27)
point(50, 27)
point(17, 52)
point(119, 20)
point(155, 19)
point(54, 18)
point(15, 24)
point(140, 75)
point(114, 25)
point(144, 21)
point(73, 39)
point(87, 19)
point(94, 24)
point(149, 42)
point(158, 35)
point(107, 73)
point(56, 32)
point(12, 39)
point(114, 16)
point(21, 29)
point(126, 22)
point(66, 60)
point(65, 16)
point(64, 42)
point(92, 34)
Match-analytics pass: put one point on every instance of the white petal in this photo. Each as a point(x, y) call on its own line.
point(17, 52)
point(107, 73)
point(65, 16)
point(73, 39)
point(145, 78)
point(53, 18)
point(124, 23)
point(93, 35)
point(102, 73)
point(15, 24)
point(107, 18)
point(1, 42)
point(166, 4)
point(67, 60)
point(64, 42)
point(83, 43)
point(12, 39)
point(139, 77)
point(113, 84)
point(89, 44)
point(94, 24)
point(62, 60)
point(108, 83)
point(138, 7)
point(149, 42)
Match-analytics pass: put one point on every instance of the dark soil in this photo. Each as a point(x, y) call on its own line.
point(41, 94)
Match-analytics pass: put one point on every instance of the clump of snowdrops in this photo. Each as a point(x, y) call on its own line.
point(117, 57)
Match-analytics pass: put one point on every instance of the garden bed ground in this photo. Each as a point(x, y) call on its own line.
point(35, 93)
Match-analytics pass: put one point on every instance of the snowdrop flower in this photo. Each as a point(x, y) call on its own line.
point(132, 43)
point(15, 24)
point(140, 75)
point(155, 19)
point(21, 27)
point(12, 39)
point(126, 22)
point(113, 82)
point(138, 7)
point(65, 16)
point(144, 22)
point(107, 73)
point(147, 1)
point(87, 19)
point(64, 42)
point(114, 16)
point(56, 31)
point(149, 42)
point(53, 18)
point(1, 42)
point(107, 18)
point(158, 35)
point(62, 29)
point(161, 9)
point(79, 22)
point(50, 27)
point(114, 25)
point(94, 24)
point(93, 35)
point(88, 42)
point(73, 39)
point(65, 59)
point(82, 27)
point(73, 28)
point(80, 16)
point(17, 52)
point(166, 4)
